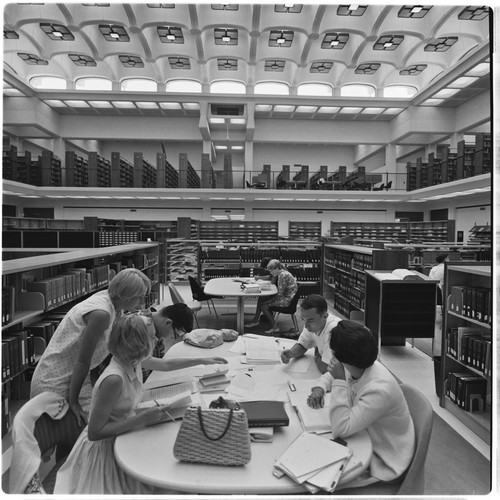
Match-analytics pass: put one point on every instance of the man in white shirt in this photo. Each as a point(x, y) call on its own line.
point(437, 273)
point(318, 323)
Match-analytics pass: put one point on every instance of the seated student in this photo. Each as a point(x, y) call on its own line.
point(318, 323)
point(437, 273)
point(287, 286)
point(365, 395)
point(261, 272)
point(91, 467)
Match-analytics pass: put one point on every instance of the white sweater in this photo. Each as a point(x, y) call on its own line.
point(374, 402)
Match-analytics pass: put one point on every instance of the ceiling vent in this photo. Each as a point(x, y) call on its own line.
point(228, 110)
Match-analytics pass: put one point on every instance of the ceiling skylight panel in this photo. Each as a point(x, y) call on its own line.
point(315, 89)
point(480, 70)
point(463, 81)
point(75, 103)
point(445, 93)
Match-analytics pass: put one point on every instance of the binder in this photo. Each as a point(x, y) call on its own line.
point(265, 413)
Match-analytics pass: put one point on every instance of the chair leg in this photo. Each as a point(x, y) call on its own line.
point(213, 305)
point(276, 315)
point(196, 319)
point(295, 324)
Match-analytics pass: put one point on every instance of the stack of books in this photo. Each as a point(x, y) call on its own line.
point(261, 350)
point(213, 383)
point(313, 461)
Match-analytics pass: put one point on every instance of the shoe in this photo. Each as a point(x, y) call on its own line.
point(272, 330)
point(252, 324)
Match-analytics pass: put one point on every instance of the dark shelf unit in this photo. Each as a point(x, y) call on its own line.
point(398, 231)
point(398, 309)
point(344, 273)
point(243, 231)
point(483, 155)
point(461, 310)
point(77, 167)
point(99, 172)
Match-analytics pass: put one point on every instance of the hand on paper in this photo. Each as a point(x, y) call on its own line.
point(155, 414)
point(317, 398)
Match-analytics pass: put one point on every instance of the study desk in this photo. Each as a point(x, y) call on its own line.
point(147, 454)
point(227, 287)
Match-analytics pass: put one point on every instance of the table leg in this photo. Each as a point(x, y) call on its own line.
point(240, 316)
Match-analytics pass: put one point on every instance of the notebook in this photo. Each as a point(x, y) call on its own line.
point(265, 413)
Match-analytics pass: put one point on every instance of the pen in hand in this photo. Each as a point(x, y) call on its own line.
point(164, 411)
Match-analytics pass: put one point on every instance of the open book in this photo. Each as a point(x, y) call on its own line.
point(400, 274)
point(177, 397)
point(261, 350)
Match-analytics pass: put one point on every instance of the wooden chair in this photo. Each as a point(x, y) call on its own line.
point(413, 481)
point(176, 297)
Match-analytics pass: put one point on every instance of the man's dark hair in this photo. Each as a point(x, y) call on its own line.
point(181, 316)
point(315, 301)
point(265, 261)
point(353, 344)
point(441, 258)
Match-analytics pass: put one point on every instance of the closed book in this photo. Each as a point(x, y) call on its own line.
point(265, 413)
point(213, 381)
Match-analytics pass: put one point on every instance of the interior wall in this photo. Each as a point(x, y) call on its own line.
point(469, 216)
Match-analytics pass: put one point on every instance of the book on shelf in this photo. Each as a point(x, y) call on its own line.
point(265, 413)
point(467, 391)
point(314, 461)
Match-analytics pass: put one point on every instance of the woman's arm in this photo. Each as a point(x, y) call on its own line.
point(100, 425)
point(166, 365)
point(97, 323)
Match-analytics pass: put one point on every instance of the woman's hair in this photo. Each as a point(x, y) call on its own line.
point(129, 340)
point(275, 264)
point(180, 314)
point(353, 344)
point(315, 301)
point(129, 283)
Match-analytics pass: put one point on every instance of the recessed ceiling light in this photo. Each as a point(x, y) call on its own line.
point(351, 109)
point(306, 109)
point(170, 105)
point(463, 81)
point(432, 102)
point(77, 104)
point(237, 148)
point(123, 104)
point(372, 111)
point(283, 109)
point(263, 107)
point(445, 93)
point(393, 111)
point(238, 121)
point(217, 120)
point(191, 105)
point(480, 70)
point(328, 109)
point(220, 147)
point(100, 104)
point(147, 105)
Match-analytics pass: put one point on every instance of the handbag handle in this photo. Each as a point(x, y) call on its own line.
point(200, 418)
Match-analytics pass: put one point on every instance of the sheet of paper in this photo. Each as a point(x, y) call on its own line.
point(167, 391)
point(238, 346)
point(298, 365)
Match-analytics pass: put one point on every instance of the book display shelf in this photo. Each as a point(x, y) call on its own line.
point(399, 308)
point(432, 231)
point(466, 349)
point(304, 230)
point(344, 273)
point(242, 231)
point(181, 259)
point(38, 290)
point(391, 231)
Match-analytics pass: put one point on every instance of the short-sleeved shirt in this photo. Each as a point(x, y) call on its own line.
point(55, 368)
point(321, 340)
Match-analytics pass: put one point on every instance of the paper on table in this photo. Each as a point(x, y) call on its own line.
point(239, 346)
point(166, 392)
point(182, 375)
point(298, 365)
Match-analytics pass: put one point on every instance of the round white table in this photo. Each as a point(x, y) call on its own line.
point(228, 287)
point(147, 454)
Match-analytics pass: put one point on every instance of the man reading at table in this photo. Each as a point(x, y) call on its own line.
point(318, 323)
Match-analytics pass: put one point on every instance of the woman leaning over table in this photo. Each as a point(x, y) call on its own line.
point(365, 395)
point(287, 287)
point(80, 342)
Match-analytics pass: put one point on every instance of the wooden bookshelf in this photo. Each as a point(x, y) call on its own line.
point(370, 230)
point(76, 170)
point(463, 308)
point(304, 230)
point(432, 231)
point(483, 155)
point(243, 231)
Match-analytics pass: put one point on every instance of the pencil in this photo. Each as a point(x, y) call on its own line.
point(165, 411)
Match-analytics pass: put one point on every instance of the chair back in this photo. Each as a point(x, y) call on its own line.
point(174, 294)
point(196, 288)
point(290, 308)
point(422, 415)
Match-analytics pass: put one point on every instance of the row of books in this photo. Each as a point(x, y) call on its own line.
point(471, 346)
point(18, 352)
point(467, 391)
point(66, 287)
point(362, 261)
point(8, 302)
point(471, 302)
point(303, 273)
point(5, 411)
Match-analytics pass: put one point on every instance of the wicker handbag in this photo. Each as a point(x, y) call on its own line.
point(213, 436)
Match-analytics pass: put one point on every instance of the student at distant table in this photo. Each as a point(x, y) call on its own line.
point(286, 284)
point(365, 395)
point(437, 273)
point(318, 323)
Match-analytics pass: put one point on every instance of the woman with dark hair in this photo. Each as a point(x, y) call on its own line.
point(365, 395)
